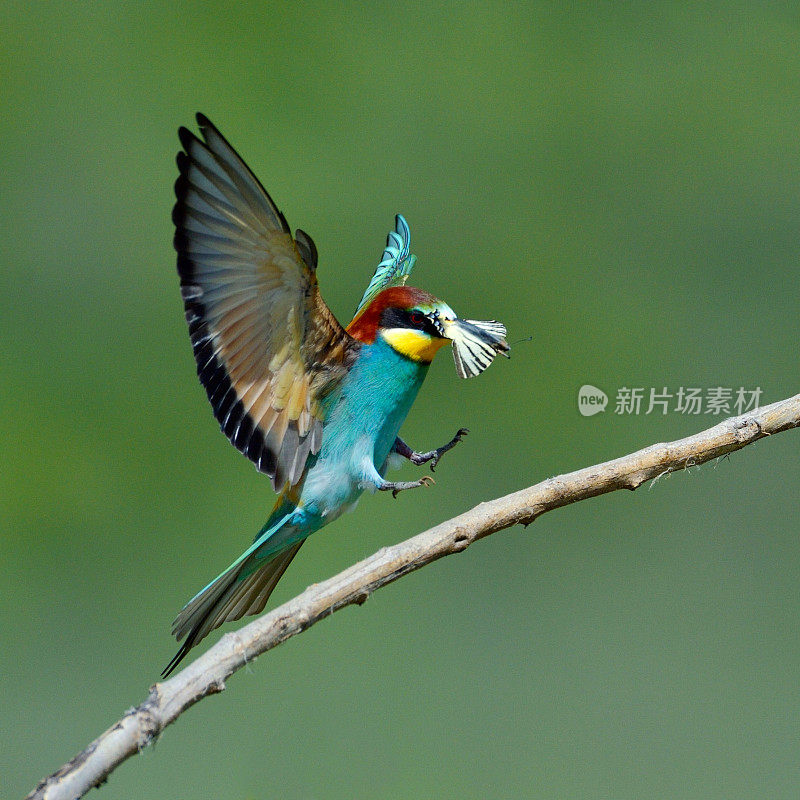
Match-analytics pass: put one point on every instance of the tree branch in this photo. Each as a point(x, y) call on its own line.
point(207, 674)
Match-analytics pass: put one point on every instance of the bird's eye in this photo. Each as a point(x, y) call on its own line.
point(417, 318)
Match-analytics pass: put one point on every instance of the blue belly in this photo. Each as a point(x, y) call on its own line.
point(363, 418)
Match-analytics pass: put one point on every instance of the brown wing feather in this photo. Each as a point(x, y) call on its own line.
point(267, 346)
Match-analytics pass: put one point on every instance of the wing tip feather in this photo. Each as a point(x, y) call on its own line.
point(270, 450)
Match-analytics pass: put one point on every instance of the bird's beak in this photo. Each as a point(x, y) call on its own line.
point(475, 344)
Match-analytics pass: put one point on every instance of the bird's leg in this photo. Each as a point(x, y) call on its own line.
point(372, 479)
point(401, 448)
point(398, 486)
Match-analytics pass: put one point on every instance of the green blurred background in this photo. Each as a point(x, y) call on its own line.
point(621, 182)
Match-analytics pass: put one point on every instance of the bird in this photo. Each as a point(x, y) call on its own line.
point(314, 405)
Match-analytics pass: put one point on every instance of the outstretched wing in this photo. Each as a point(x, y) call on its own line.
point(395, 265)
point(267, 347)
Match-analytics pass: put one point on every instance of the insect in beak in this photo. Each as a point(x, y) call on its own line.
point(475, 344)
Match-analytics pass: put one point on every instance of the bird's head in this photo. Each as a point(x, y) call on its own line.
point(416, 324)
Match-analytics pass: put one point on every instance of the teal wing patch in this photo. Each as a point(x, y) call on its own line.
point(396, 263)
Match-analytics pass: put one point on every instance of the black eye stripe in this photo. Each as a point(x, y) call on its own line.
point(404, 318)
point(395, 318)
point(430, 328)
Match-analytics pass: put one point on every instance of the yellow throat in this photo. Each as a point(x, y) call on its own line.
point(416, 345)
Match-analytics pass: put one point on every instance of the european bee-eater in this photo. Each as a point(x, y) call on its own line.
point(315, 406)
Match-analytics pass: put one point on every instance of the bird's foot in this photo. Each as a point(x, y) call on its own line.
point(398, 486)
point(434, 455)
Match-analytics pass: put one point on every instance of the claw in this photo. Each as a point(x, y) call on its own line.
point(425, 480)
point(440, 451)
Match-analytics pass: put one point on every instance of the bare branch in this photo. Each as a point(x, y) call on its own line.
point(207, 675)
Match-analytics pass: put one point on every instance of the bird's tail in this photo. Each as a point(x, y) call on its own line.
point(243, 588)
